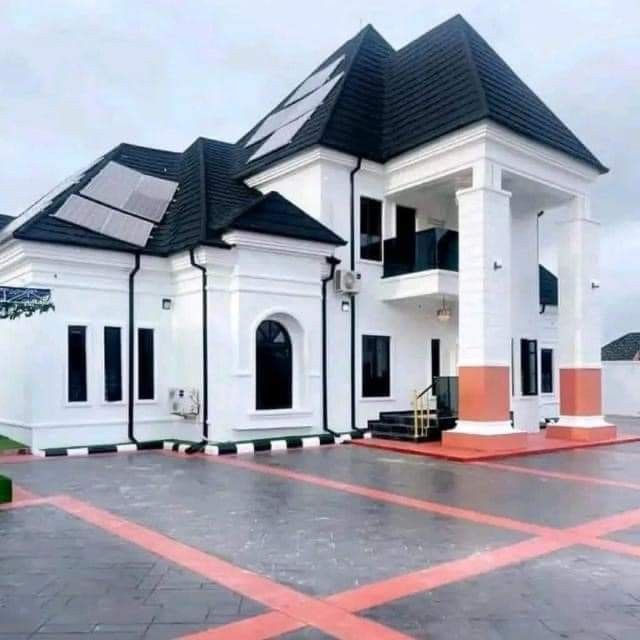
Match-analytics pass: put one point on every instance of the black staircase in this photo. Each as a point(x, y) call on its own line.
point(400, 425)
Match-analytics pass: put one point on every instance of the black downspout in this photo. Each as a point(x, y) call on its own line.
point(333, 263)
point(205, 359)
point(352, 266)
point(132, 276)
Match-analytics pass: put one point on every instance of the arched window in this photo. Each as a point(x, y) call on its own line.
point(274, 366)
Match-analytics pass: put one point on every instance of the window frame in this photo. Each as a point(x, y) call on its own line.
point(262, 410)
point(361, 246)
point(549, 350)
point(138, 399)
point(384, 336)
point(123, 384)
point(67, 370)
point(528, 358)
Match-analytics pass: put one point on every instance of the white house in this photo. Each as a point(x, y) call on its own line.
point(374, 233)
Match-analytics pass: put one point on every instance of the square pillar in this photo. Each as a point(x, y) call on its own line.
point(580, 319)
point(484, 290)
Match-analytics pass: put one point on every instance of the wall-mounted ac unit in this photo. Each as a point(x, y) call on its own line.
point(184, 402)
point(347, 281)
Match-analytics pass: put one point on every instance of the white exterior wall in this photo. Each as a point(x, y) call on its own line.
point(621, 387)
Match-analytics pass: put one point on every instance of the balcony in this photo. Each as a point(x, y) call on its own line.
point(425, 264)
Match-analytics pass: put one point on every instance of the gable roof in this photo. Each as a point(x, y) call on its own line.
point(207, 202)
point(389, 102)
point(626, 347)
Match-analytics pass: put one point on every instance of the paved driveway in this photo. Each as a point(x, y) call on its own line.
point(338, 542)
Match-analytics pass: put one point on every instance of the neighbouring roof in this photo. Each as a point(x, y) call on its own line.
point(548, 284)
point(207, 203)
point(388, 102)
point(5, 220)
point(626, 347)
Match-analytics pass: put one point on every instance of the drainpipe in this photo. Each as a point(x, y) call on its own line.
point(333, 263)
point(540, 214)
point(130, 408)
point(352, 266)
point(205, 359)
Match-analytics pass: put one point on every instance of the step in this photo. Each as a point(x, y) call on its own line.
point(394, 431)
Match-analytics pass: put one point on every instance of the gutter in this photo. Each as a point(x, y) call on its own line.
point(333, 263)
point(205, 359)
point(130, 407)
point(352, 266)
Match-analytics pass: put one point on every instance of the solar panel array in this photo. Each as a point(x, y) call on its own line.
point(112, 195)
point(104, 220)
point(282, 126)
point(131, 191)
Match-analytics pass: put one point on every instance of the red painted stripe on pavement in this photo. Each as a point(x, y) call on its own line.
point(19, 493)
point(261, 627)
point(18, 504)
point(393, 498)
point(426, 579)
point(615, 546)
point(605, 526)
point(308, 610)
point(558, 475)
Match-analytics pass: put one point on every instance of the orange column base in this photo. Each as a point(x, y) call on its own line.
point(480, 442)
point(582, 434)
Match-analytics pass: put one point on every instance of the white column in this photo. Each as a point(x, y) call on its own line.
point(580, 320)
point(484, 220)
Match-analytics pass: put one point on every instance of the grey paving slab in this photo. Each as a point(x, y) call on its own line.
point(61, 577)
point(628, 536)
point(533, 499)
point(308, 633)
point(310, 538)
point(579, 594)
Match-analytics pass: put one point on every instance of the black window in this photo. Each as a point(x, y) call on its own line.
point(435, 358)
point(370, 229)
point(274, 366)
point(146, 383)
point(375, 367)
point(112, 364)
point(77, 363)
point(529, 366)
point(546, 370)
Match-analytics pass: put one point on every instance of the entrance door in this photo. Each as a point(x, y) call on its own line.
point(406, 234)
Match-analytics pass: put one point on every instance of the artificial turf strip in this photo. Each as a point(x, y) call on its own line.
point(8, 444)
point(5, 489)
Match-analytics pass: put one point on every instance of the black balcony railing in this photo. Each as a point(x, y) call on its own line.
point(430, 249)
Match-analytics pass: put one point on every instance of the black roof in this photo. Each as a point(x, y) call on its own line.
point(548, 284)
point(207, 203)
point(389, 102)
point(5, 220)
point(626, 347)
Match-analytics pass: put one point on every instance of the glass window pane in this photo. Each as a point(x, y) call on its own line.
point(274, 367)
point(112, 364)
point(376, 380)
point(146, 382)
point(546, 374)
point(370, 229)
point(529, 367)
point(77, 363)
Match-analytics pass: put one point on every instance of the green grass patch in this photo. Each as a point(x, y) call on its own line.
point(5, 489)
point(7, 443)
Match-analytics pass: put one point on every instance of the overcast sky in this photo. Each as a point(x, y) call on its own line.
point(79, 76)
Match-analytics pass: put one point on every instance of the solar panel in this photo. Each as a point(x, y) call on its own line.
point(105, 221)
point(281, 137)
point(295, 111)
point(132, 191)
point(315, 80)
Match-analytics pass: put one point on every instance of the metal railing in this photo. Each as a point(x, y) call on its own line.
point(422, 413)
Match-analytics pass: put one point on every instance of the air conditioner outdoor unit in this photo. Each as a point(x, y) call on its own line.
point(184, 402)
point(347, 281)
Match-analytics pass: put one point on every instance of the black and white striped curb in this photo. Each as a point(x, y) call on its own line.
point(98, 448)
point(277, 444)
point(221, 448)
